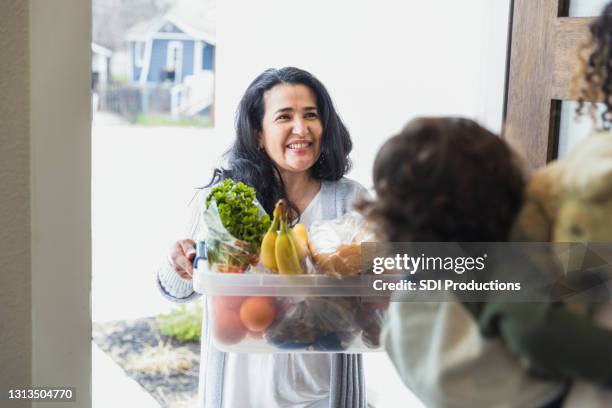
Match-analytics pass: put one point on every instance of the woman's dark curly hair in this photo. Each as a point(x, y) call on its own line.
point(593, 82)
point(252, 166)
point(447, 180)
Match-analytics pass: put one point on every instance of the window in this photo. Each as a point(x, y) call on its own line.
point(208, 57)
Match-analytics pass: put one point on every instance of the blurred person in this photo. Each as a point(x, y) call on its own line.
point(450, 180)
point(291, 144)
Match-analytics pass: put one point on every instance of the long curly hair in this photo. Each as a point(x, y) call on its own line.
point(251, 165)
point(593, 80)
point(447, 180)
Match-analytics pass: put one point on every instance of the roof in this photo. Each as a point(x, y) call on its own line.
point(196, 18)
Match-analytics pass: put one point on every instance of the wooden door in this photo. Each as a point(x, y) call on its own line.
point(542, 59)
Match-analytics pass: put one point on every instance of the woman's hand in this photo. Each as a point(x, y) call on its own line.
point(181, 256)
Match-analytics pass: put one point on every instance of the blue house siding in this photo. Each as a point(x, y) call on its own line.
point(208, 57)
point(188, 48)
point(158, 60)
point(159, 52)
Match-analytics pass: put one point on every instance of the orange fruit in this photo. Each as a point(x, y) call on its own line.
point(257, 313)
point(227, 326)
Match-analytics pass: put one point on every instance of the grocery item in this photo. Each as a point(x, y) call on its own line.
point(228, 302)
point(236, 224)
point(227, 326)
point(299, 235)
point(287, 257)
point(345, 261)
point(312, 313)
point(257, 313)
point(268, 245)
point(314, 323)
point(239, 213)
point(336, 244)
point(370, 319)
point(293, 241)
point(283, 300)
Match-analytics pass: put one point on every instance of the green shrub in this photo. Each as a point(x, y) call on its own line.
point(183, 323)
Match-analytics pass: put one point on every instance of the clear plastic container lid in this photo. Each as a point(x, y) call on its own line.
point(266, 284)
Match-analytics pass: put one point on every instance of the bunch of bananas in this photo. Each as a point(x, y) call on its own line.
point(284, 251)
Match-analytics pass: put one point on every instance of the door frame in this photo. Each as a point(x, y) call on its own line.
point(541, 63)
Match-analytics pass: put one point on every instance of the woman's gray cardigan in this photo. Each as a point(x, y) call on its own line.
point(347, 388)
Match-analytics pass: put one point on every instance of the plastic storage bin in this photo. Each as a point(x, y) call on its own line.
point(269, 313)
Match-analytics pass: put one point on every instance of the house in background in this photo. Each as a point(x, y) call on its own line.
point(171, 48)
point(176, 51)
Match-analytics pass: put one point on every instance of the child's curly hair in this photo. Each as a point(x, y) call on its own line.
point(593, 81)
point(444, 179)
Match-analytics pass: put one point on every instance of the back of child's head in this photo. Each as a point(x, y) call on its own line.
point(445, 179)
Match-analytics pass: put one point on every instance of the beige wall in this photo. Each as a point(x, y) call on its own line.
point(45, 162)
point(15, 270)
point(60, 113)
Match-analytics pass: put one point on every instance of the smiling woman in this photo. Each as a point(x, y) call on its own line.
point(284, 107)
point(292, 127)
point(291, 135)
point(291, 144)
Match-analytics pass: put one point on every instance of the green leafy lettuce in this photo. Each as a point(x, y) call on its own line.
point(239, 214)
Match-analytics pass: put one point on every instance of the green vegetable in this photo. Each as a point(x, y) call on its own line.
point(239, 214)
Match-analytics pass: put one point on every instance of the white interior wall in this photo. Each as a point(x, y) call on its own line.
point(494, 43)
point(383, 62)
